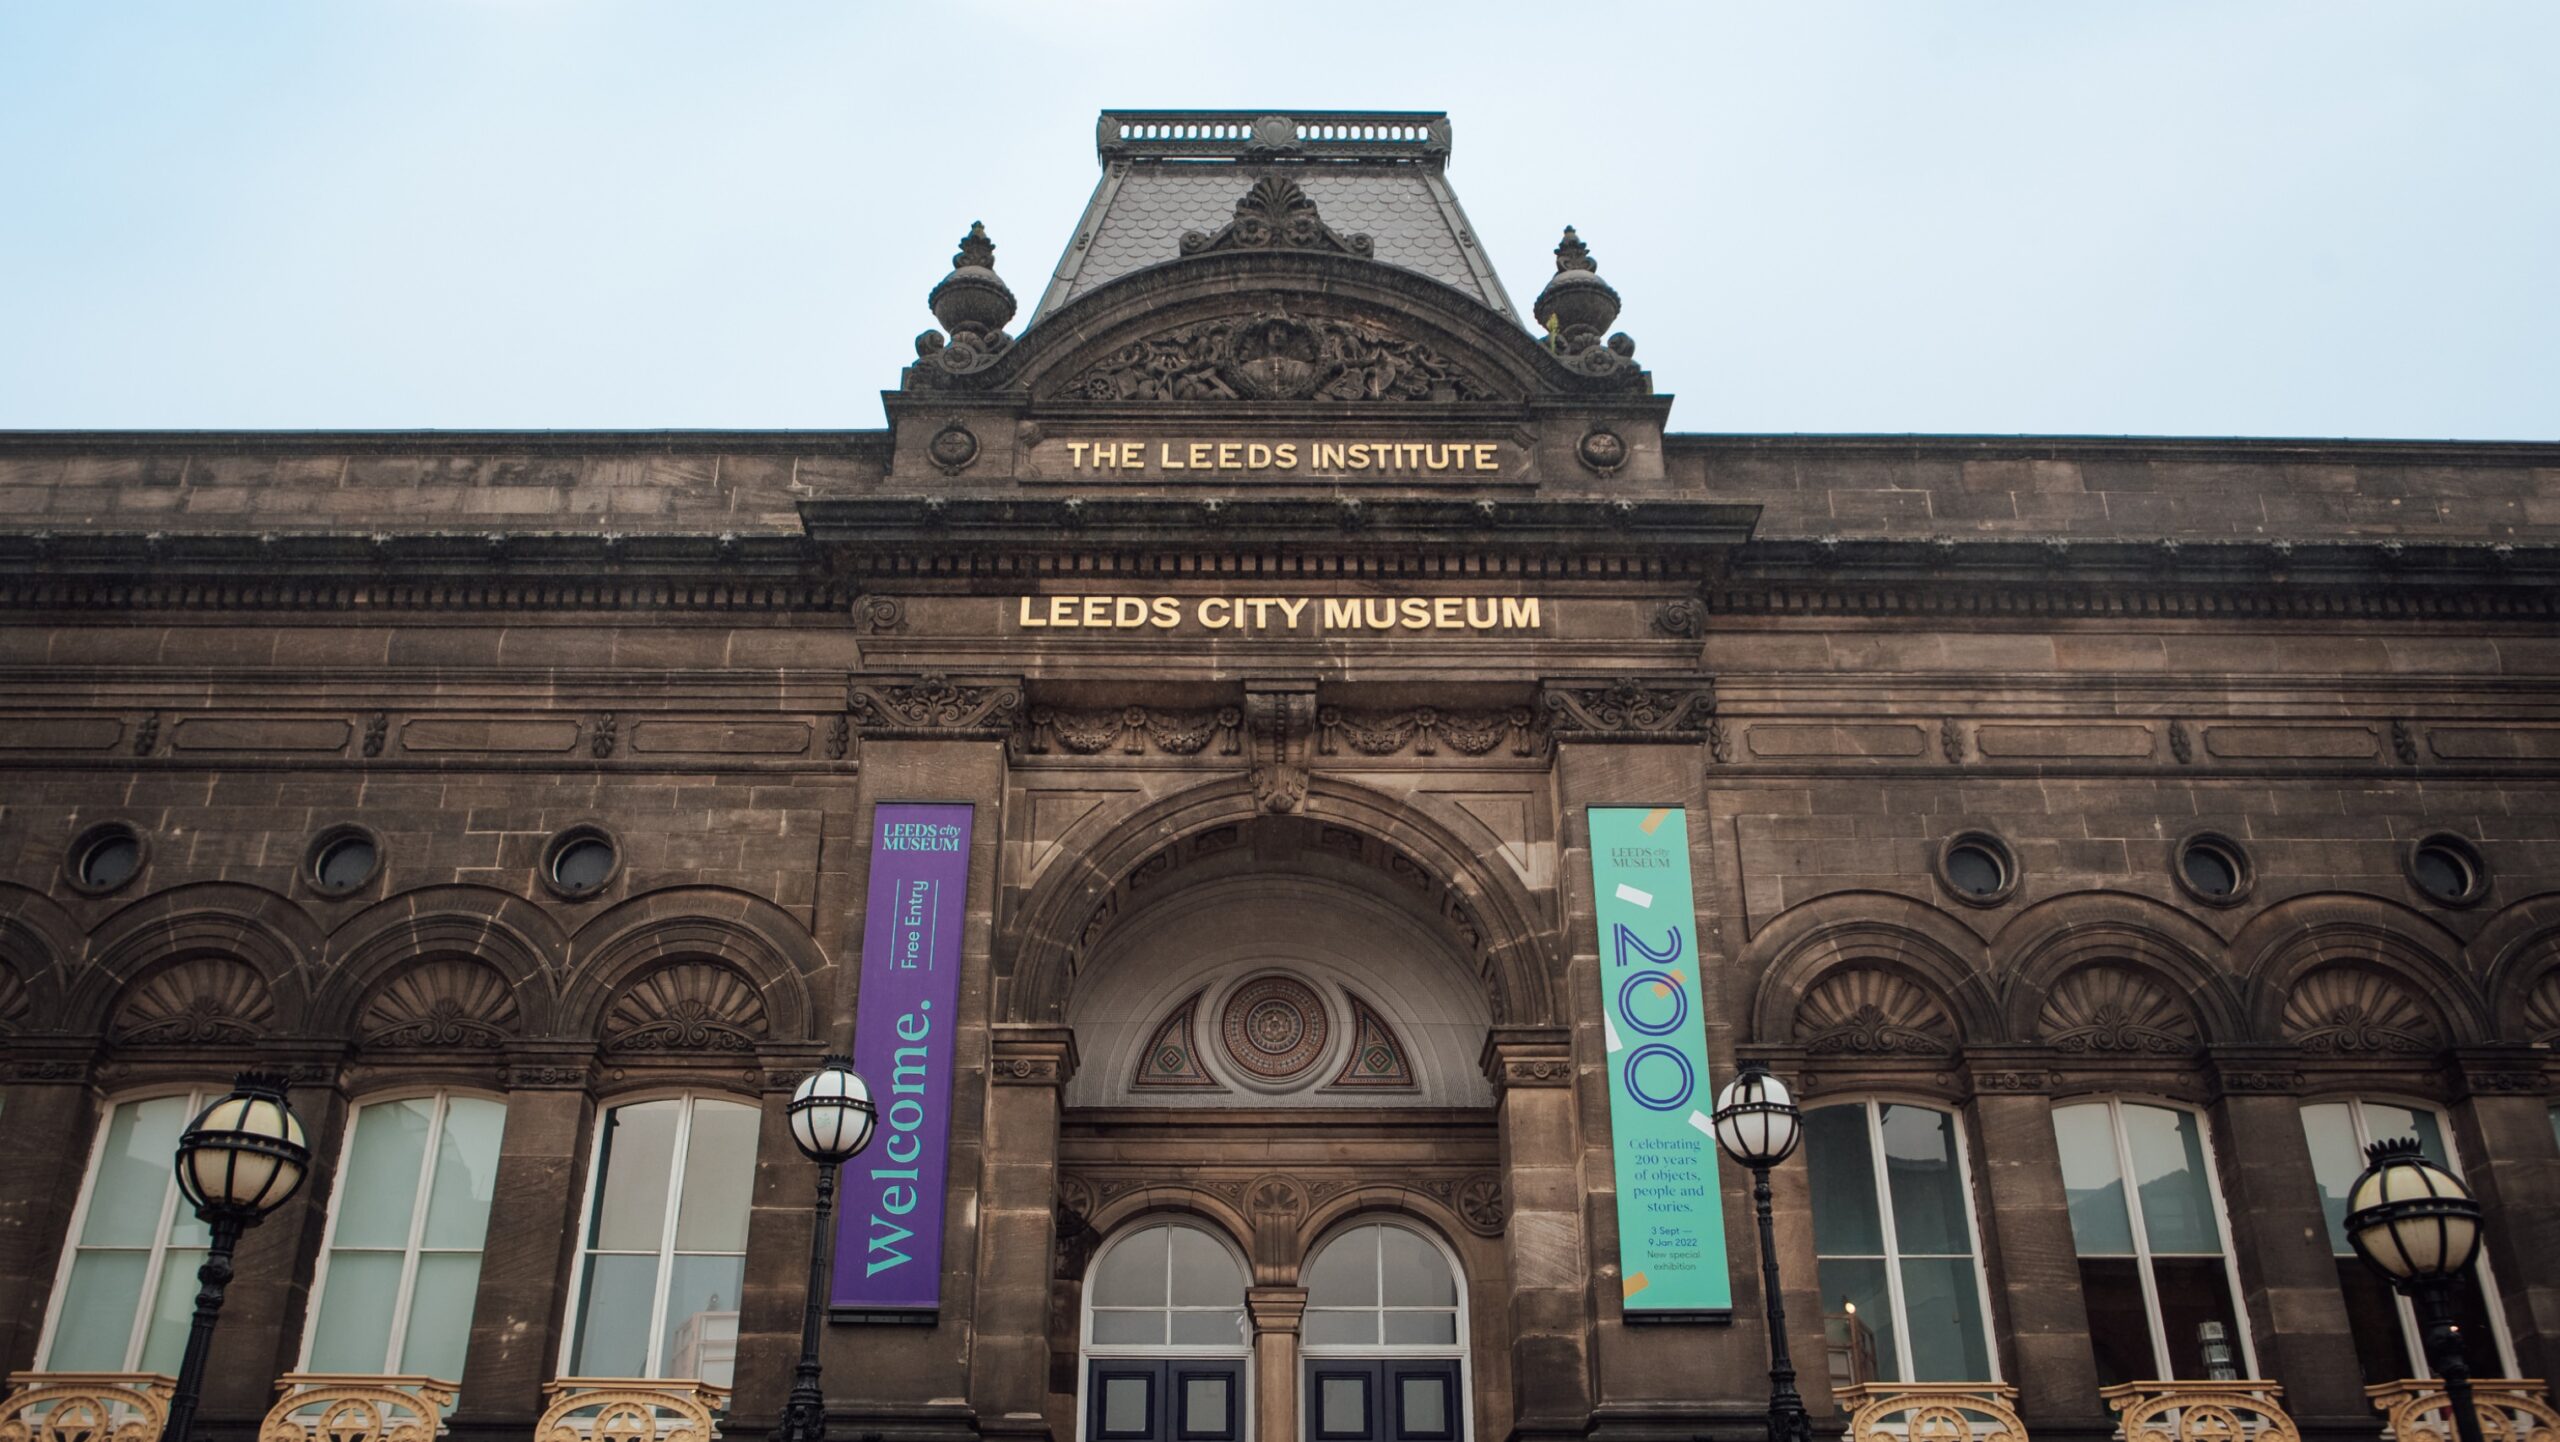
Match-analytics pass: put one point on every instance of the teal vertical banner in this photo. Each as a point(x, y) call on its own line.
point(1671, 1254)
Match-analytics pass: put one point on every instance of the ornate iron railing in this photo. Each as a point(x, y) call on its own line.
point(2243, 1411)
point(2511, 1409)
point(346, 1407)
point(86, 1407)
point(1932, 1412)
point(629, 1409)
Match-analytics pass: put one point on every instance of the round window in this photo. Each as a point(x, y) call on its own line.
point(344, 858)
point(1977, 867)
point(580, 861)
point(105, 857)
point(2213, 868)
point(2448, 869)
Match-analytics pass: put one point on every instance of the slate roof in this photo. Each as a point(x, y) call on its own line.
point(1379, 173)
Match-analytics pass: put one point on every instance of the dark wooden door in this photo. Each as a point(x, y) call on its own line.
point(1383, 1400)
point(1171, 1399)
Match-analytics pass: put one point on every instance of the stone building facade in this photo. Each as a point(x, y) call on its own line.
point(1280, 604)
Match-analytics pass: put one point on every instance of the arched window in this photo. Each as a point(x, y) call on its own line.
point(662, 1255)
point(1165, 1338)
point(1385, 1338)
point(128, 1280)
point(1893, 1235)
point(2384, 1325)
point(401, 1266)
point(2154, 1272)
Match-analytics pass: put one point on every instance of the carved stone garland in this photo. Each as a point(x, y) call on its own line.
point(203, 1001)
point(1425, 730)
point(2115, 1010)
point(1132, 730)
point(689, 1007)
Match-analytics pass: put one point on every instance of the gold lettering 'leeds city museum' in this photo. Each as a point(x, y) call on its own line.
point(1306, 615)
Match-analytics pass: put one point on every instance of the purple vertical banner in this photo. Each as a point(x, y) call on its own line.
point(889, 1234)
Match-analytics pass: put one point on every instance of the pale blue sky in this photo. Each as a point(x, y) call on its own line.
point(2319, 218)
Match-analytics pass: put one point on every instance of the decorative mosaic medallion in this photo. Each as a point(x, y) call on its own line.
point(1274, 1027)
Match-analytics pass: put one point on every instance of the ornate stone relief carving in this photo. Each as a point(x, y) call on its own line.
point(1576, 306)
point(2117, 1010)
point(1871, 1012)
point(1378, 1058)
point(2542, 1009)
point(207, 1000)
point(1274, 355)
point(1275, 1028)
point(1424, 730)
point(1132, 730)
point(1481, 1205)
point(1630, 710)
point(441, 1004)
point(691, 1006)
point(973, 303)
point(1276, 214)
point(1683, 616)
point(933, 706)
point(14, 1002)
point(1280, 721)
point(1172, 1056)
point(2349, 1009)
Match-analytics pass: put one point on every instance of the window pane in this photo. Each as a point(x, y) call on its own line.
point(2479, 1339)
point(2383, 1121)
point(2335, 1160)
point(1347, 1328)
point(1204, 1273)
point(2092, 1181)
point(1207, 1407)
point(1860, 1282)
point(2194, 1291)
point(134, 1176)
point(440, 1315)
point(1345, 1406)
point(719, 1179)
point(378, 1190)
point(1345, 1273)
point(1920, 1166)
point(1124, 1405)
point(166, 1340)
point(2168, 1164)
point(1134, 1274)
point(1844, 1183)
point(631, 1204)
point(1124, 1327)
point(1416, 1275)
point(95, 1318)
point(1422, 1405)
point(613, 1317)
point(702, 1319)
point(353, 1330)
point(466, 1166)
point(2119, 1327)
point(1943, 1306)
point(1422, 1328)
point(1209, 1329)
point(2373, 1319)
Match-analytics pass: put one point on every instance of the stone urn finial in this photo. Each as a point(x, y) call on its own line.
point(1576, 307)
point(973, 300)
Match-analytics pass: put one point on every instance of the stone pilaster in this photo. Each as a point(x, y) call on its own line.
point(518, 1319)
point(2034, 1262)
point(1029, 1067)
point(269, 1299)
point(1276, 1313)
point(2502, 1128)
point(48, 1116)
point(1547, 1252)
point(780, 1213)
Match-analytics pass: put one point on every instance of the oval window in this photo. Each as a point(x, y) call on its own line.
point(109, 859)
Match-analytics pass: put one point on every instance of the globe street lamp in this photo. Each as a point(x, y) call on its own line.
point(2419, 1226)
point(1757, 1125)
point(831, 1117)
point(241, 1158)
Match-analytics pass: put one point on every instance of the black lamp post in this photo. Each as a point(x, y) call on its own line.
point(241, 1158)
point(831, 1118)
point(1757, 1125)
point(2419, 1226)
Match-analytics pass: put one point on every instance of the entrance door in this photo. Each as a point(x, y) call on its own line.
point(1388, 1400)
point(1176, 1400)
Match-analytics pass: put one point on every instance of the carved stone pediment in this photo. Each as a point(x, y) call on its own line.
point(1276, 355)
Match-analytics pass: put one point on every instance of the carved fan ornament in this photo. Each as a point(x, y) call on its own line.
point(1276, 214)
point(207, 1000)
point(14, 1002)
point(1873, 1012)
point(2542, 1009)
point(1273, 355)
point(2115, 1009)
point(692, 1006)
point(1172, 1057)
point(441, 1004)
point(2350, 1009)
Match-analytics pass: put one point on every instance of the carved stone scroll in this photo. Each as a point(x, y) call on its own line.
point(1630, 710)
point(933, 707)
